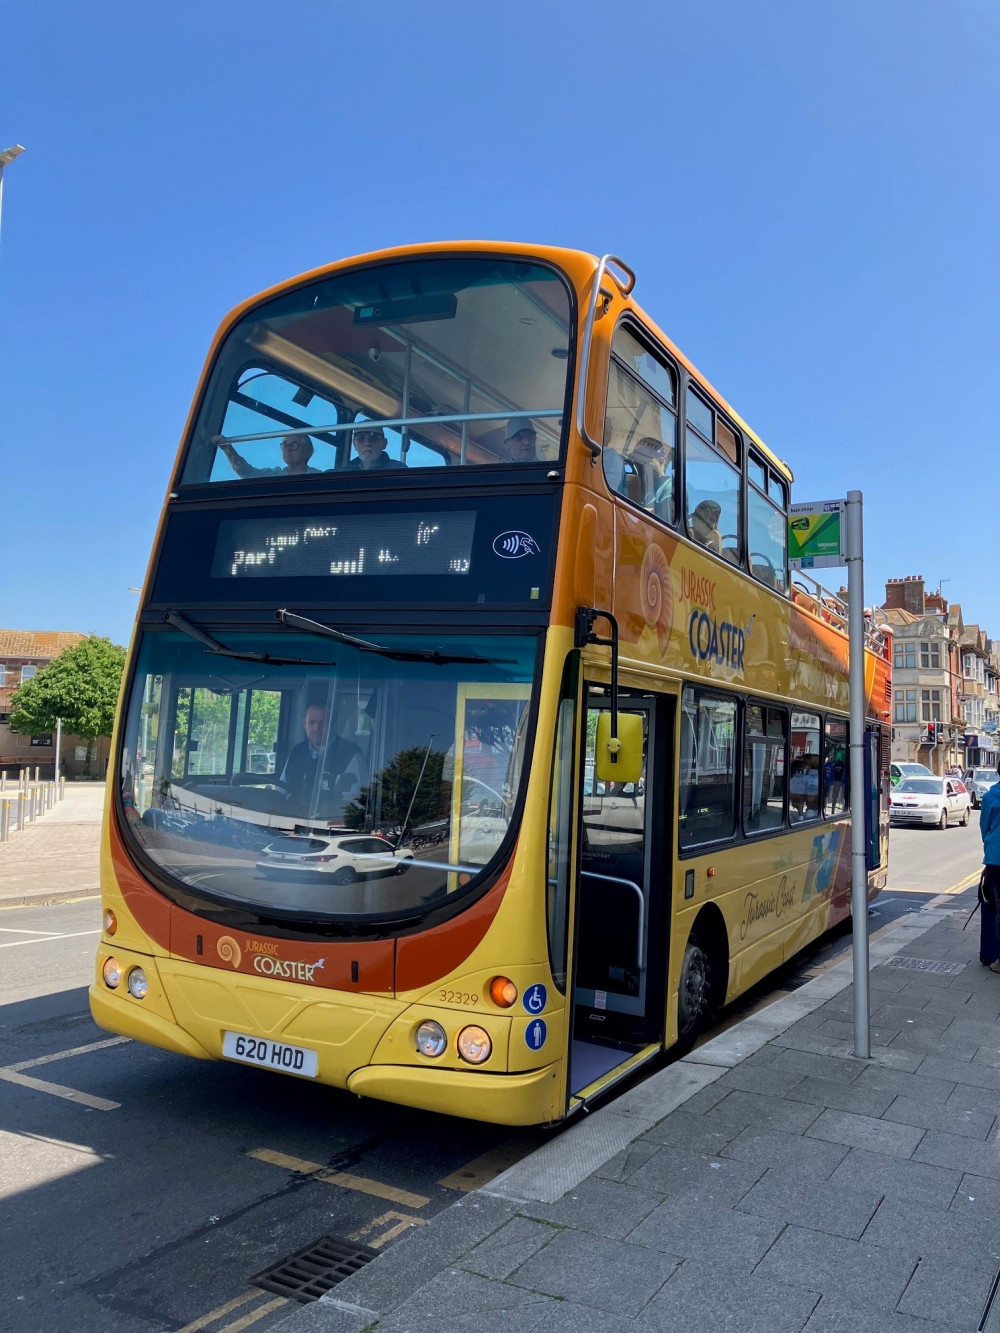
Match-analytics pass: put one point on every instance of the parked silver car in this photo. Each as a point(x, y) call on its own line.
point(933, 801)
point(979, 781)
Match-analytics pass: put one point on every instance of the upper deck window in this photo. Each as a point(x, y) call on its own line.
point(640, 427)
point(419, 364)
point(767, 527)
point(712, 480)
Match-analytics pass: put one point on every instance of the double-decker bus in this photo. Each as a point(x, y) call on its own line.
point(475, 746)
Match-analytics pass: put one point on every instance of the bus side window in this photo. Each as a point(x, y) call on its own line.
point(804, 775)
point(708, 768)
point(640, 428)
point(712, 480)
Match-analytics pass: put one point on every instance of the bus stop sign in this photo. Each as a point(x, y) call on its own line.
point(816, 535)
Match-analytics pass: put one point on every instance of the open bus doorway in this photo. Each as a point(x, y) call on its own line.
point(622, 901)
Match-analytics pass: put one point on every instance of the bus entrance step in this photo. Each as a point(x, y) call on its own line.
point(310, 1273)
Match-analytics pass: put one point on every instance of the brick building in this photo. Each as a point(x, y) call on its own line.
point(23, 653)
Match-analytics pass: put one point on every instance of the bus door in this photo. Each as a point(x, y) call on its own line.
point(622, 901)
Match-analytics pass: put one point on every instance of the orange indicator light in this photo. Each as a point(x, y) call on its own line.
point(503, 992)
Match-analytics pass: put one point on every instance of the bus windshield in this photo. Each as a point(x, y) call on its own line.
point(317, 778)
point(420, 364)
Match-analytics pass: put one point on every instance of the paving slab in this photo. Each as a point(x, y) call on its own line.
point(825, 1263)
point(862, 1131)
point(784, 1196)
point(605, 1274)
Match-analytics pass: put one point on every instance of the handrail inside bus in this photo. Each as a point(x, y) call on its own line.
point(341, 426)
point(628, 884)
point(588, 335)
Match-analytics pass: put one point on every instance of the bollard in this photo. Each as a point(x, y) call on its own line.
point(62, 789)
point(4, 820)
point(48, 796)
point(20, 811)
point(37, 771)
point(3, 779)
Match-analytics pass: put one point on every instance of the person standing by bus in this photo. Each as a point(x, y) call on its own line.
point(989, 888)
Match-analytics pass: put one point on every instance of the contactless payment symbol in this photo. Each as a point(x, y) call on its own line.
point(535, 1034)
point(534, 998)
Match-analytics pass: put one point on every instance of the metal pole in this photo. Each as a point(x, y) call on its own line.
point(4, 820)
point(859, 872)
point(55, 774)
point(20, 811)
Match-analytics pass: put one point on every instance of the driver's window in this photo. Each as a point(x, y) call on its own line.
point(712, 480)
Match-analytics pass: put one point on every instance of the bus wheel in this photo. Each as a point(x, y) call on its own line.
point(694, 994)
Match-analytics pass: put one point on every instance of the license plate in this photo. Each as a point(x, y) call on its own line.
point(270, 1054)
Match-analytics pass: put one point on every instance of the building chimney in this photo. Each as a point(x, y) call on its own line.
point(905, 594)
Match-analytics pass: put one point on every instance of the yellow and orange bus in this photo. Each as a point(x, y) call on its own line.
point(475, 746)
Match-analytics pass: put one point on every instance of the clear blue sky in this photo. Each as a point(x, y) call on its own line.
point(809, 194)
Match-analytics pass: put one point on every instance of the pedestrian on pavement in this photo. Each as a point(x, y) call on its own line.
point(989, 885)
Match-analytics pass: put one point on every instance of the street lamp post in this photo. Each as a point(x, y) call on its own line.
point(7, 156)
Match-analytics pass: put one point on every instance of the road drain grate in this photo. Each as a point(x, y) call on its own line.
point(309, 1274)
point(925, 964)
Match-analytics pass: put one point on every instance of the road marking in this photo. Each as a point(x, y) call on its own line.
point(403, 1223)
point(481, 1170)
point(252, 1318)
point(217, 1313)
point(70, 935)
point(13, 930)
point(57, 1090)
point(64, 1055)
point(341, 1178)
point(222, 1310)
point(70, 902)
point(13, 1074)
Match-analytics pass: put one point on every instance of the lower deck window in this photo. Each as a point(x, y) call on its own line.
point(708, 768)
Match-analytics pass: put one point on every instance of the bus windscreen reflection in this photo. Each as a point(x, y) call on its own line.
point(367, 787)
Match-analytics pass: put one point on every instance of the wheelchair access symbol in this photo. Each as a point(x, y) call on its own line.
point(535, 998)
point(535, 1034)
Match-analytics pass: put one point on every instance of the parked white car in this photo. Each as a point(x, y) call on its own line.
point(934, 801)
point(342, 858)
point(979, 781)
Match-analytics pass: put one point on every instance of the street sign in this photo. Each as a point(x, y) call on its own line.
point(816, 535)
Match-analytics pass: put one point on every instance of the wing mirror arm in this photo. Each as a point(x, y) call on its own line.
point(585, 618)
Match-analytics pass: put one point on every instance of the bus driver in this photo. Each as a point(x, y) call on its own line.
point(324, 769)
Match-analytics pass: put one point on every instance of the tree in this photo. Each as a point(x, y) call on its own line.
point(399, 783)
point(80, 686)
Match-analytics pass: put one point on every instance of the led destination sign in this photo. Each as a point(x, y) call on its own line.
point(345, 546)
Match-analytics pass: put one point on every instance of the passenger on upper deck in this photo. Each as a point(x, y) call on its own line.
point(520, 437)
point(655, 461)
point(370, 443)
point(704, 524)
point(296, 451)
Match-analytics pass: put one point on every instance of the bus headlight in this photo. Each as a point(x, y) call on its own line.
point(137, 984)
point(432, 1040)
point(474, 1045)
point(112, 973)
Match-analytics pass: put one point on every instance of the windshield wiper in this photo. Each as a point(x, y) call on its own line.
point(294, 621)
point(180, 622)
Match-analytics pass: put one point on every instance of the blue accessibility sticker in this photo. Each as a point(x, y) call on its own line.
point(535, 1034)
point(535, 998)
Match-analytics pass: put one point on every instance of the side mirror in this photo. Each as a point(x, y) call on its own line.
point(627, 748)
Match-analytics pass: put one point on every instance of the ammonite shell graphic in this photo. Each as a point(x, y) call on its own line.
point(656, 594)
point(228, 950)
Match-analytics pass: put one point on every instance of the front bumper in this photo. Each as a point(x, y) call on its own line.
point(914, 816)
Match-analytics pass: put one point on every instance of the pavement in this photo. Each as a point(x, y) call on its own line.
point(57, 858)
point(768, 1180)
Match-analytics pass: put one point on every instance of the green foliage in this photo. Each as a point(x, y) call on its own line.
point(80, 686)
point(396, 784)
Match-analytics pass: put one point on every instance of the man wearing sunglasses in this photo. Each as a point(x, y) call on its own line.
point(296, 451)
point(370, 442)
